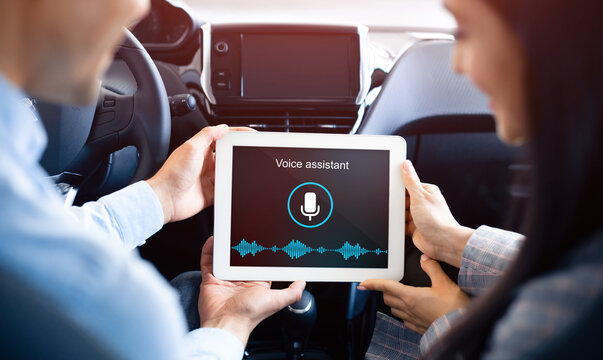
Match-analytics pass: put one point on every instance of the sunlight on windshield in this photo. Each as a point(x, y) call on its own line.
point(417, 15)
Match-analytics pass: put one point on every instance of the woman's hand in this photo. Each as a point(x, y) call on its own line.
point(185, 183)
point(433, 228)
point(420, 306)
point(239, 306)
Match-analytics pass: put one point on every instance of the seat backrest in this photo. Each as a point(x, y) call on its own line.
point(422, 85)
point(450, 132)
point(33, 327)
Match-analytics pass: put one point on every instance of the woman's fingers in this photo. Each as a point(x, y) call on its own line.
point(411, 180)
point(409, 321)
point(382, 285)
point(395, 294)
point(433, 269)
point(410, 227)
point(400, 314)
point(395, 302)
point(414, 327)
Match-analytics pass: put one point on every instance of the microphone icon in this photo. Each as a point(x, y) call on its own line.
point(310, 208)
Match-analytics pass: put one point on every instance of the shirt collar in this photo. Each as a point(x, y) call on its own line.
point(20, 128)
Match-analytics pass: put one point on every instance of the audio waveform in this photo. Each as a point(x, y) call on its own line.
point(296, 249)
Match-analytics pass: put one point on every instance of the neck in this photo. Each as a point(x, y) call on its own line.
point(13, 42)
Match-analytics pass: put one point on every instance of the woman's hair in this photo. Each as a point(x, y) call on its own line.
point(564, 53)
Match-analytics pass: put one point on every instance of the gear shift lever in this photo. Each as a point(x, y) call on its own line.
point(298, 320)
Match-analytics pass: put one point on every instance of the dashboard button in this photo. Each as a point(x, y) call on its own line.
point(222, 74)
point(222, 84)
point(221, 47)
point(109, 102)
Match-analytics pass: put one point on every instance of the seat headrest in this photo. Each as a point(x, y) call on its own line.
point(423, 85)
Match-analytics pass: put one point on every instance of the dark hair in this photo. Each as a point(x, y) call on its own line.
point(565, 86)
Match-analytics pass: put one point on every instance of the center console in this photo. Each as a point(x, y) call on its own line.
point(285, 77)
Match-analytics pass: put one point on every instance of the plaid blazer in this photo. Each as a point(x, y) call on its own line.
point(542, 311)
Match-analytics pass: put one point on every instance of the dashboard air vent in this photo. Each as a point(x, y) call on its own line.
point(290, 121)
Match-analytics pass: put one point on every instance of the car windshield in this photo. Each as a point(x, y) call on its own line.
point(379, 15)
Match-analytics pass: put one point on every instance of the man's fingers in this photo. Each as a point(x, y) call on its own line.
point(411, 180)
point(433, 269)
point(209, 165)
point(289, 295)
point(242, 128)
point(208, 247)
point(207, 257)
point(208, 135)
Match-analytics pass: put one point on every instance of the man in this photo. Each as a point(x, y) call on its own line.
point(57, 50)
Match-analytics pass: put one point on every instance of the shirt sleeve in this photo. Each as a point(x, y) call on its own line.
point(438, 329)
point(111, 295)
point(129, 216)
point(487, 254)
point(212, 343)
point(107, 292)
point(556, 315)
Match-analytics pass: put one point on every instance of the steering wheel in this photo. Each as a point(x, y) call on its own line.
point(139, 118)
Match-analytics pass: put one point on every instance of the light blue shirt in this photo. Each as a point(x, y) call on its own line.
point(80, 257)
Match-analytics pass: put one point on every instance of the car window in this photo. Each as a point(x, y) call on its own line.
point(393, 24)
point(419, 15)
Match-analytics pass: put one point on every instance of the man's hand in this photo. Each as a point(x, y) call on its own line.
point(433, 228)
point(239, 306)
point(185, 183)
point(419, 306)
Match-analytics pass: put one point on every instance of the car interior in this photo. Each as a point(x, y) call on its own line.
point(179, 71)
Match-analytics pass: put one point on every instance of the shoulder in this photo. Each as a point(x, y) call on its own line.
point(552, 306)
point(111, 293)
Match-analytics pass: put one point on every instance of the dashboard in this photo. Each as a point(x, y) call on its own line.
point(272, 77)
point(272, 64)
point(269, 76)
point(166, 25)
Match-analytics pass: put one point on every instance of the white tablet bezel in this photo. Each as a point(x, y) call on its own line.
point(223, 201)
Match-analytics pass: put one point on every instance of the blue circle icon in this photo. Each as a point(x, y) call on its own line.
point(289, 205)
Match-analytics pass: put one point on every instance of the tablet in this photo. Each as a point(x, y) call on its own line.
point(314, 207)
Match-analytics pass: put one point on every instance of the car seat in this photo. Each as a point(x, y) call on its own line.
point(451, 138)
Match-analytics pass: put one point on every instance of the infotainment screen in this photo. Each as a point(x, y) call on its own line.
point(293, 66)
point(309, 207)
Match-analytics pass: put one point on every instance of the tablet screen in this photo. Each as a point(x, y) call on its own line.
point(308, 207)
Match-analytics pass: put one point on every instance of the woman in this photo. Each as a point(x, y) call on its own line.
point(541, 63)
